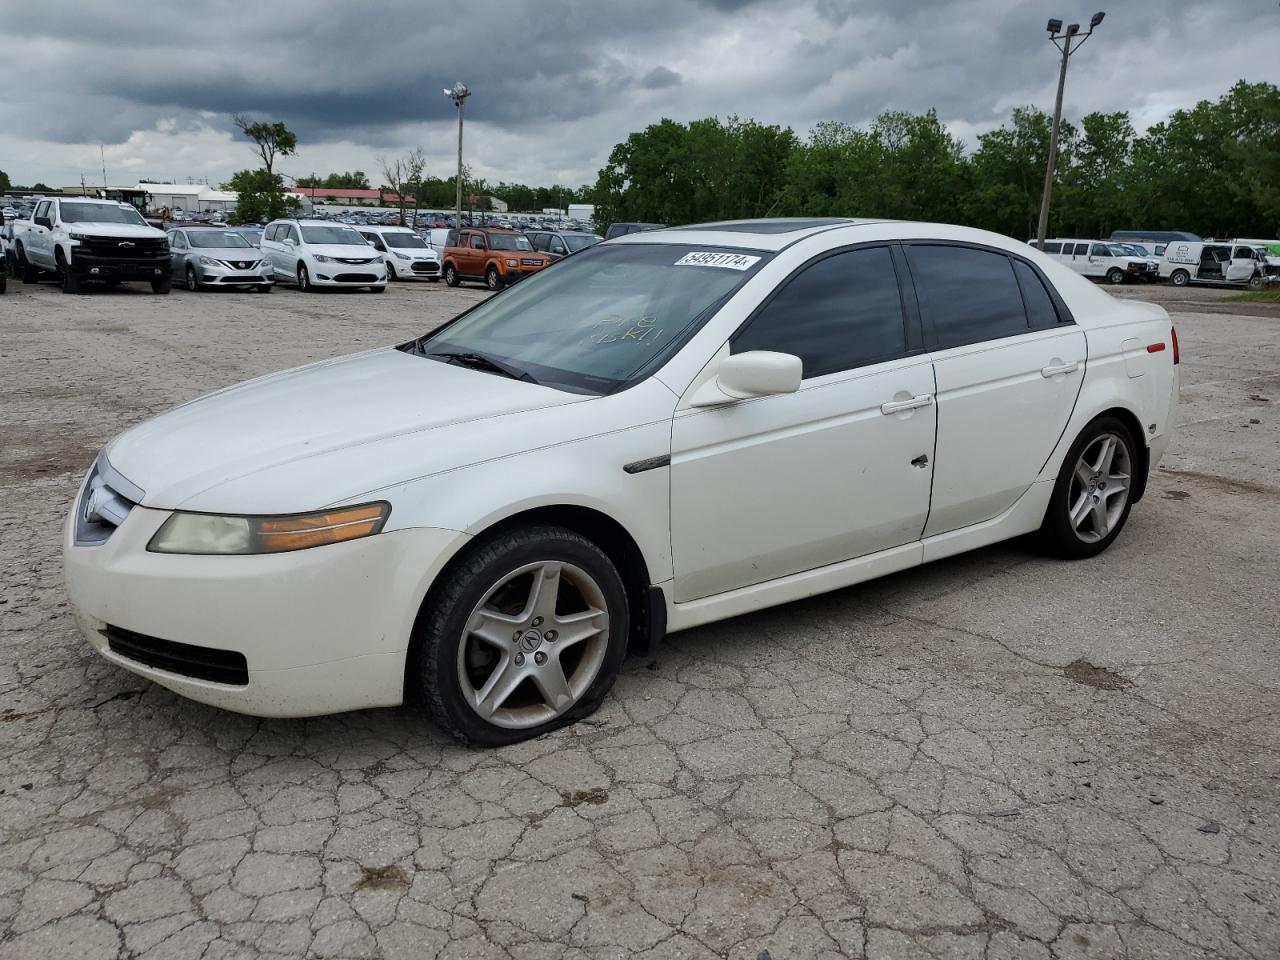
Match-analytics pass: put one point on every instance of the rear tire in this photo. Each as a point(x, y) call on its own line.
point(1179, 278)
point(1115, 275)
point(1086, 512)
point(492, 590)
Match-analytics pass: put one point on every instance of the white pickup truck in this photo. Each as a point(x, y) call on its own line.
point(81, 239)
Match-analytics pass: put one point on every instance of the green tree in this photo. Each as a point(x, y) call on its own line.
point(261, 197)
point(4, 182)
point(353, 180)
point(1008, 174)
point(270, 139)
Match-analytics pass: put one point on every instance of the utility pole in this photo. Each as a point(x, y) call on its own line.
point(458, 93)
point(1063, 40)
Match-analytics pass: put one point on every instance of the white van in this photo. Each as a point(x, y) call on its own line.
point(407, 255)
point(1227, 264)
point(1100, 260)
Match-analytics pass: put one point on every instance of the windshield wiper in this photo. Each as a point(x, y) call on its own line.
point(479, 361)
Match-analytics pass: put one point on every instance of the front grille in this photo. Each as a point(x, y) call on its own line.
point(356, 278)
point(423, 266)
point(110, 248)
point(106, 501)
point(185, 659)
point(531, 263)
point(354, 260)
point(241, 264)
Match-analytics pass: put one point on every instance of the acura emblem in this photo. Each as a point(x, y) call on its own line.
point(126, 243)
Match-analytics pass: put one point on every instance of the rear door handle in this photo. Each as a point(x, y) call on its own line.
point(898, 406)
point(1056, 369)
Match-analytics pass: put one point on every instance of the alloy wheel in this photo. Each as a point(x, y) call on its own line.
point(1099, 488)
point(192, 283)
point(533, 645)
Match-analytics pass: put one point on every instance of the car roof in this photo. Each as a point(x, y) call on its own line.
point(765, 234)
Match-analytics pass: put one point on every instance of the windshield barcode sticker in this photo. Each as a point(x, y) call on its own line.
point(729, 261)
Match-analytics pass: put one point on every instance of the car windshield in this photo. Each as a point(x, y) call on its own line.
point(1119, 250)
point(602, 320)
point(338, 235)
point(576, 243)
point(217, 238)
point(101, 213)
point(509, 241)
point(404, 241)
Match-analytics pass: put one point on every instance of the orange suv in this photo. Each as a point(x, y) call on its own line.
point(498, 257)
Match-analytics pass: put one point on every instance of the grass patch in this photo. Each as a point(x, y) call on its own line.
point(1259, 296)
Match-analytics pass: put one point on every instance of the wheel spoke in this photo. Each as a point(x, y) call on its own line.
point(1100, 522)
point(493, 627)
point(1106, 455)
point(1115, 483)
point(577, 627)
point(543, 593)
point(1083, 473)
point(553, 685)
point(502, 682)
point(1081, 509)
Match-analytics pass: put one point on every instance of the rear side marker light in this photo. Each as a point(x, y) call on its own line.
point(1177, 355)
point(1155, 347)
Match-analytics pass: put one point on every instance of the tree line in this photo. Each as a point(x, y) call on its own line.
point(1213, 169)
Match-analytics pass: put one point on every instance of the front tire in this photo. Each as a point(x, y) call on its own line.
point(450, 275)
point(69, 281)
point(524, 635)
point(193, 282)
point(1255, 282)
point(1094, 491)
point(263, 288)
point(1115, 275)
point(163, 285)
point(391, 272)
point(304, 279)
point(493, 279)
point(1180, 278)
point(26, 271)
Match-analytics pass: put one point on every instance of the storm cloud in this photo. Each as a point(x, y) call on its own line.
point(556, 84)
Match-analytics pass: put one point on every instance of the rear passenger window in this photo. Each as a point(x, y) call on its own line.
point(842, 312)
point(971, 295)
point(1052, 247)
point(1082, 249)
point(1040, 310)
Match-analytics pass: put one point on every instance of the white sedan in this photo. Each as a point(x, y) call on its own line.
point(662, 431)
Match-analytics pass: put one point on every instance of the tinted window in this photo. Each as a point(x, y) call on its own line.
point(1040, 311)
point(971, 295)
point(842, 312)
point(539, 241)
point(1100, 250)
point(1052, 247)
point(1081, 249)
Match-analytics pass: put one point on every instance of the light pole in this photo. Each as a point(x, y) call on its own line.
point(1068, 41)
point(458, 93)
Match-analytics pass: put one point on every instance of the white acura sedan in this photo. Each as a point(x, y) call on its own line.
point(661, 431)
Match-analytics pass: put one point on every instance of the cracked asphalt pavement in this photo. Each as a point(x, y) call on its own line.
point(996, 756)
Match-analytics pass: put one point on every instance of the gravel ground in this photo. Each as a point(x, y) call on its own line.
point(995, 756)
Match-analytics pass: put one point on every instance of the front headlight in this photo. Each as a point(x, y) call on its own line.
point(209, 262)
point(513, 263)
point(78, 236)
point(323, 259)
point(209, 534)
point(403, 256)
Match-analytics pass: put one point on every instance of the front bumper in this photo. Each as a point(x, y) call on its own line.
point(417, 269)
point(88, 267)
point(320, 631)
point(229, 276)
point(348, 274)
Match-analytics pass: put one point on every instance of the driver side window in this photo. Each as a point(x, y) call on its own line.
point(477, 242)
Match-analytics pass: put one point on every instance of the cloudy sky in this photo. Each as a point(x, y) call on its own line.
point(557, 82)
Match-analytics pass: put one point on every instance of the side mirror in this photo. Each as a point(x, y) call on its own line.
point(44, 222)
point(289, 240)
point(756, 373)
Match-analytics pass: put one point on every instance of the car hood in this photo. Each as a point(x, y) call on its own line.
point(344, 251)
point(347, 406)
point(123, 231)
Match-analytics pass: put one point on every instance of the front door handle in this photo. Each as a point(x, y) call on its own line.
point(1057, 369)
point(898, 406)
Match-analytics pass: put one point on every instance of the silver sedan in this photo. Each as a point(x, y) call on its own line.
point(216, 257)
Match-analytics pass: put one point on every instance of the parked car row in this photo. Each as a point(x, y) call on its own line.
point(1177, 261)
